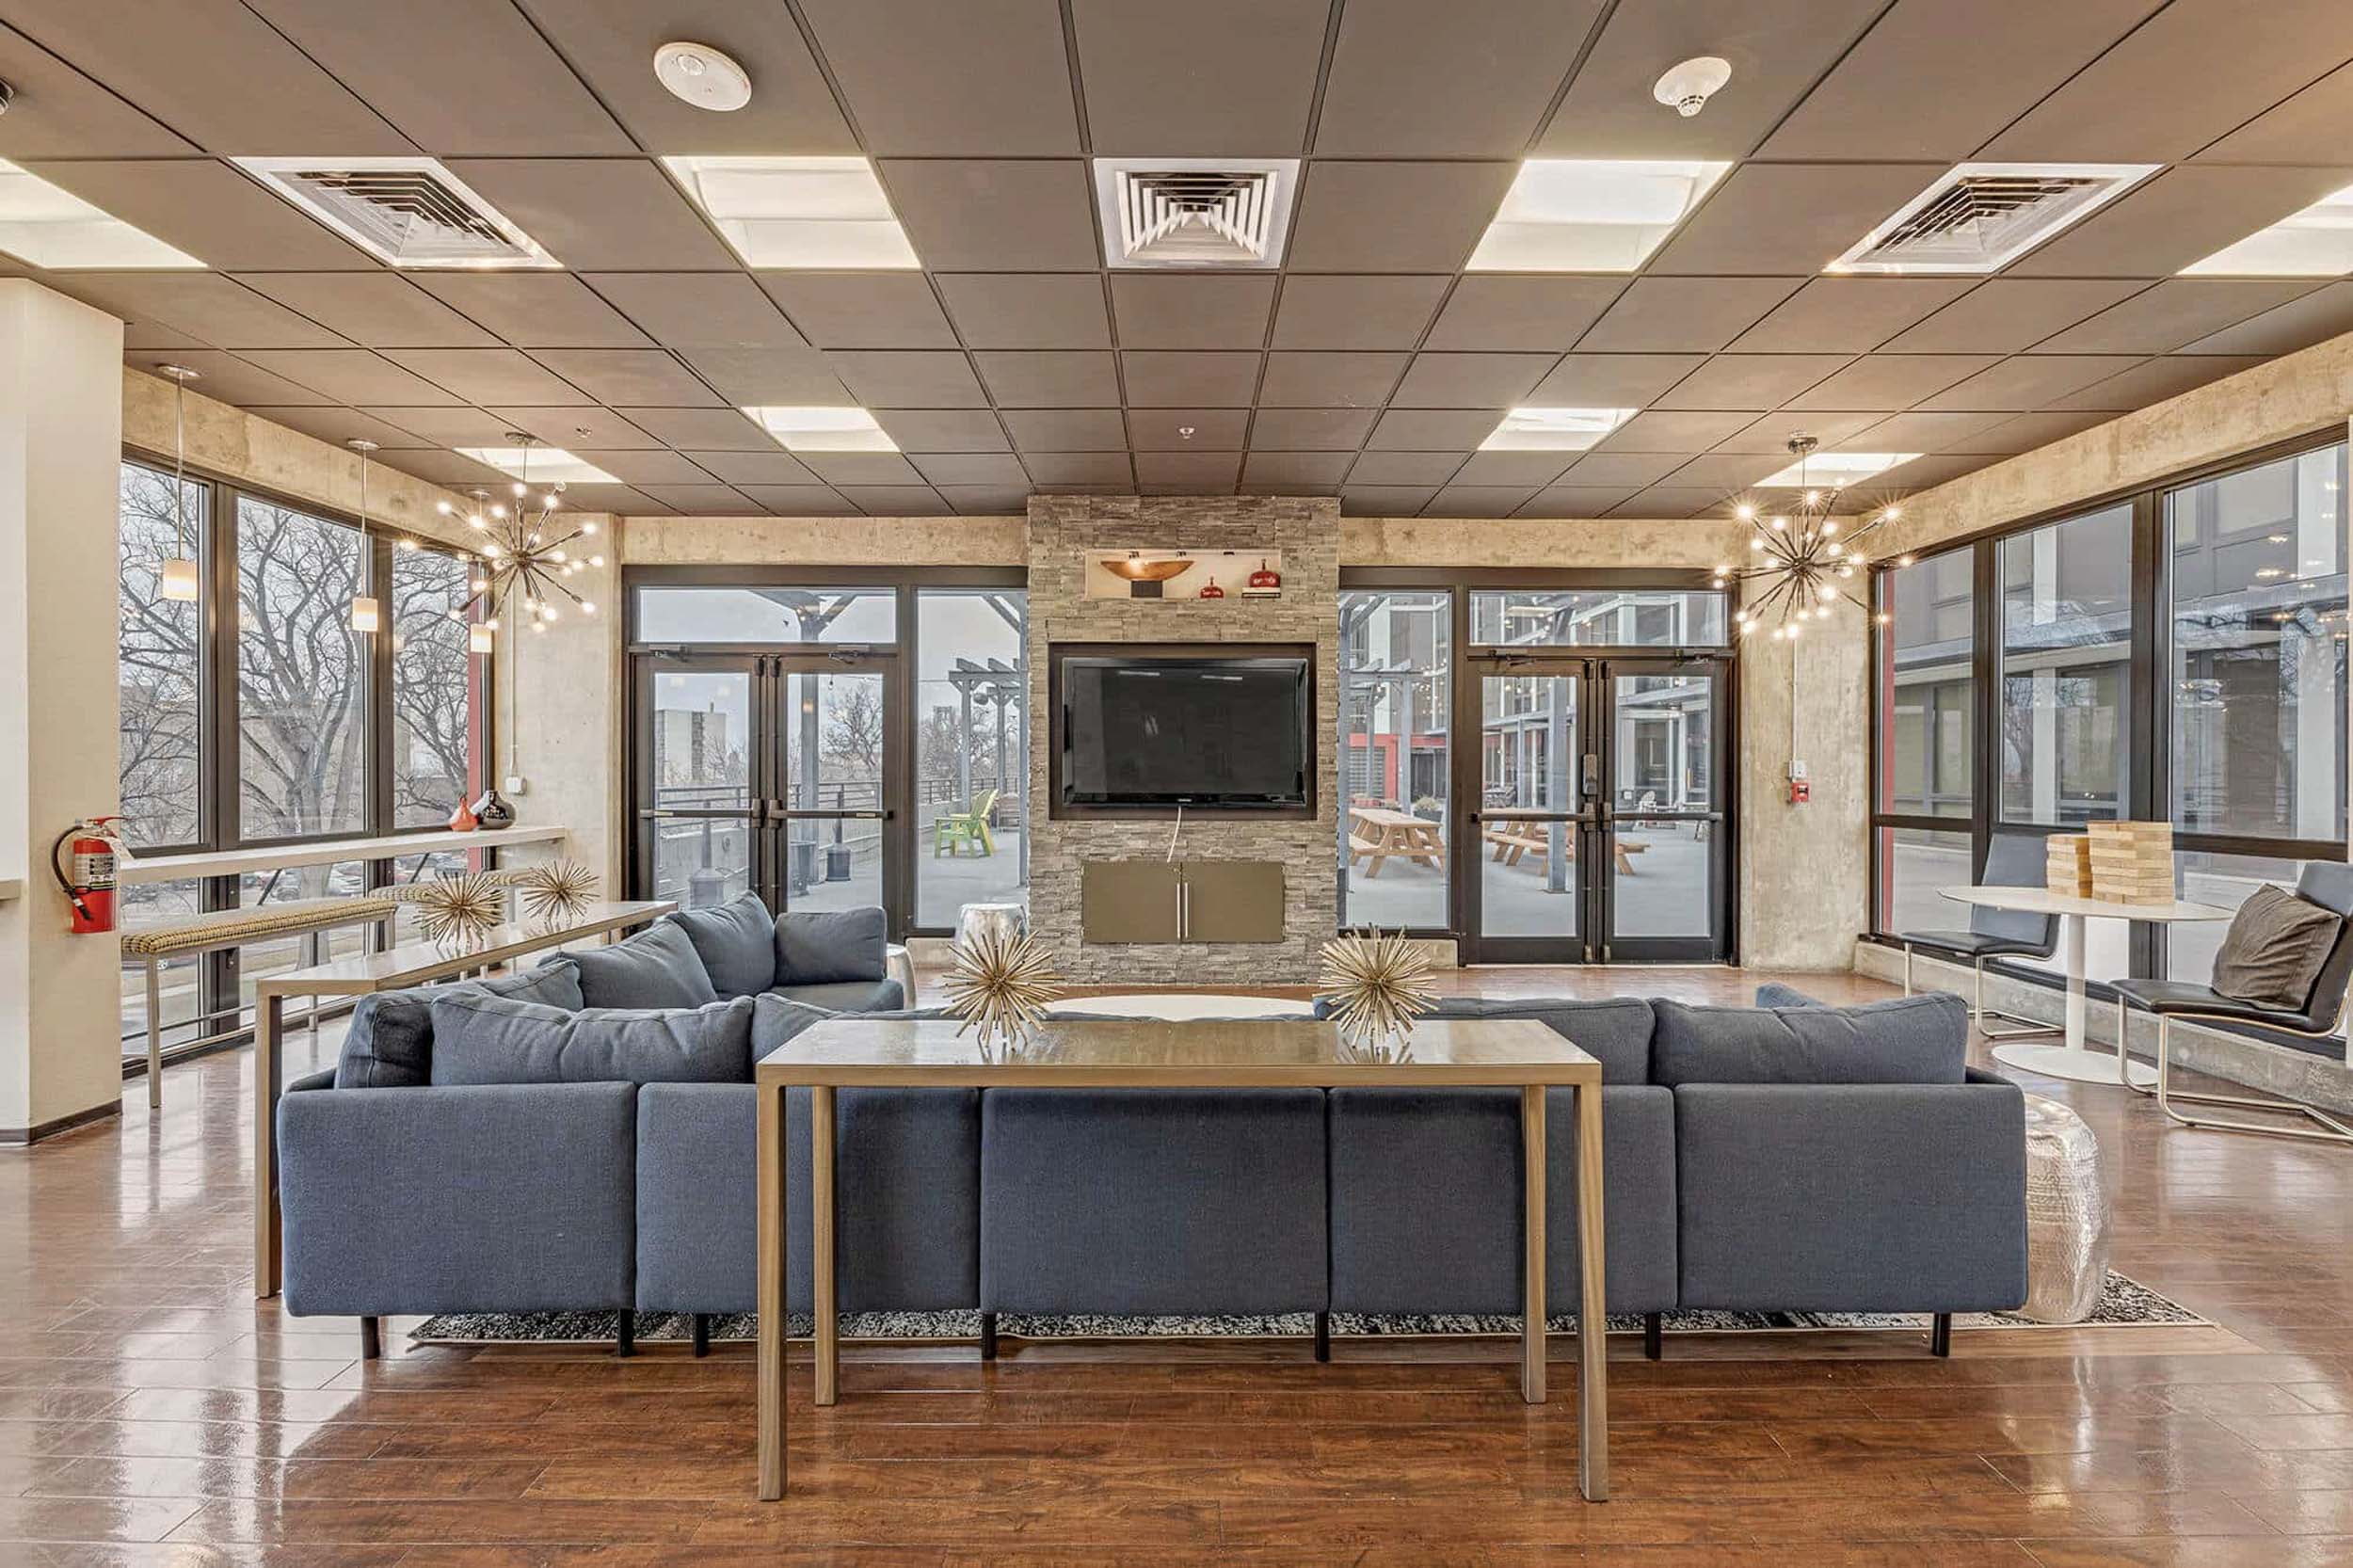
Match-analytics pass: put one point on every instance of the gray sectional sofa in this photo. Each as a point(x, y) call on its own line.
point(1784, 1157)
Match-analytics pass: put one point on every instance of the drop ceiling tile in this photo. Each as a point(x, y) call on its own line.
point(1727, 471)
point(621, 500)
point(2029, 431)
point(1078, 467)
point(2176, 312)
point(610, 43)
point(600, 214)
point(1190, 310)
point(801, 500)
point(349, 375)
point(1848, 315)
point(1163, 429)
point(1215, 78)
point(925, 79)
point(1188, 472)
point(944, 430)
point(338, 426)
point(2154, 380)
point(696, 309)
point(2285, 328)
point(2004, 314)
point(1406, 468)
point(704, 500)
point(1479, 500)
point(444, 468)
point(1350, 215)
point(1790, 219)
point(701, 431)
point(1319, 473)
point(862, 310)
point(754, 377)
point(1500, 312)
point(1673, 500)
point(2026, 381)
point(647, 378)
point(378, 309)
point(78, 118)
point(536, 309)
point(969, 214)
point(1310, 429)
point(137, 335)
point(1050, 378)
point(1470, 380)
point(1379, 311)
point(1028, 310)
point(577, 429)
point(488, 376)
point(985, 501)
point(1750, 380)
point(1067, 430)
point(1001, 469)
point(1317, 378)
point(1574, 500)
point(1922, 432)
point(204, 306)
point(1685, 433)
point(908, 378)
point(1626, 471)
point(2182, 216)
point(1174, 380)
point(2308, 128)
point(1127, 489)
point(1890, 382)
point(1691, 315)
point(1921, 473)
point(1531, 469)
point(651, 466)
point(898, 500)
point(1384, 500)
point(208, 210)
point(1428, 430)
point(1966, 72)
point(446, 426)
point(773, 467)
point(1476, 86)
point(1613, 380)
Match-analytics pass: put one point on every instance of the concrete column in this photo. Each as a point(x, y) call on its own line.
point(563, 725)
point(60, 452)
point(1804, 869)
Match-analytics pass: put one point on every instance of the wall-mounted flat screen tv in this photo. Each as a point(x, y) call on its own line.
point(1153, 732)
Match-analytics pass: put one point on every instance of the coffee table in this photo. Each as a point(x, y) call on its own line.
point(1145, 1053)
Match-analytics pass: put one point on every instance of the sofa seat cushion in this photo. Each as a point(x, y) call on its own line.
point(657, 967)
point(845, 995)
point(493, 1040)
point(1921, 1039)
point(390, 1042)
point(736, 942)
point(818, 947)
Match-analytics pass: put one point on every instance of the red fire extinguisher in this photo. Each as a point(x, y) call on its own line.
point(88, 878)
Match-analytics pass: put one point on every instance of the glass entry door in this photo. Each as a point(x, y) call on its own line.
point(831, 803)
point(1666, 886)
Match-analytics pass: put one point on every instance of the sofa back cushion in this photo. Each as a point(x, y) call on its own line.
point(736, 942)
point(776, 1019)
point(389, 1043)
point(1617, 1031)
point(657, 967)
point(479, 1039)
point(1921, 1039)
point(815, 947)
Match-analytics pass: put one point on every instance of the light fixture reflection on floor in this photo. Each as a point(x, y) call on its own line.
point(1800, 557)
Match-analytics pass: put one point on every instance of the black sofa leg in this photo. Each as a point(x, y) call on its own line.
point(625, 1337)
point(371, 1338)
point(1941, 1334)
point(702, 1333)
point(988, 1336)
point(1324, 1336)
point(1654, 1336)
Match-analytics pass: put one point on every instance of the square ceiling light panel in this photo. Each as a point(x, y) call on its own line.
point(1587, 214)
point(408, 212)
point(1835, 471)
point(1195, 211)
point(540, 465)
point(1980, 218)
point(54, 227)
point(822, 429)
point(2315, 243)
point(798, 212)
point(1554, 430)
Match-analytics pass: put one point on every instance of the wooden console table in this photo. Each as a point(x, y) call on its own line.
point(364, 974)
point(1143, 1053)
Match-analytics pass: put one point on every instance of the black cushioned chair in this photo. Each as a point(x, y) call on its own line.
point(2325, 882)
point(2011, 860)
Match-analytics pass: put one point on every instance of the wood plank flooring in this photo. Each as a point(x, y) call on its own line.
point(152, 1415)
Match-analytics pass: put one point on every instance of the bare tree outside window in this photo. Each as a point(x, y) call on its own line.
point(161, 670)
point(301, 702)
point(433, 720)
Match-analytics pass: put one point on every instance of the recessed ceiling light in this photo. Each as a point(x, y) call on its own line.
point(51, 227)
point(702, 76)
point(1980, 218)
point(410, 212)
point(797, 211)
point(1585, 214)
point(539, 465)
point(1194, 211)
point(2315, 243)
point(1835, 470)
point(1554, 430)
point(823, 429)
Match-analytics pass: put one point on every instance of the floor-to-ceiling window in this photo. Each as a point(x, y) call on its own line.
point(1394, 754)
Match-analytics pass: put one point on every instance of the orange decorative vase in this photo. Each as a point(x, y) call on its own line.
point(463, 820)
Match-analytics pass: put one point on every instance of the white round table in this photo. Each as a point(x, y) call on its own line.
point(2075, 1060)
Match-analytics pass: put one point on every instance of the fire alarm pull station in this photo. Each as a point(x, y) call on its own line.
point(1800, 787)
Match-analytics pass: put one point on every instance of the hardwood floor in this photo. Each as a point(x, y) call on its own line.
point(152, 1415)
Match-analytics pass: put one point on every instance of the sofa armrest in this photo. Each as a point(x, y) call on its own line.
point(497, 1198)
point(1871, 1197)
point(323, 1079)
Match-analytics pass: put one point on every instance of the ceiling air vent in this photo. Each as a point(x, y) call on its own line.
point(410, 212)
point(1979, 217)
point(1194, 211)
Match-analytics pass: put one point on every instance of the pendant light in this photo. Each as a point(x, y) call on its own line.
point(366, 615)
point(180, 583)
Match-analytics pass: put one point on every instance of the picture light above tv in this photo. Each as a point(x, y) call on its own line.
point(1152, 730)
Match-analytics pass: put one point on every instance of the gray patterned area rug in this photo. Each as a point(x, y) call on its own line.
point(2123, 1303)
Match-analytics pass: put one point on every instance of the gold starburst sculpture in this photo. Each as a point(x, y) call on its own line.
point(999, 983)
point(1800, 558)
point(457, 911)
point(557, 891)
point(1377, 984)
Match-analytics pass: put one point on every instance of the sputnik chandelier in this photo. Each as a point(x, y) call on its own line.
point(1800, 557)
point(523, 554)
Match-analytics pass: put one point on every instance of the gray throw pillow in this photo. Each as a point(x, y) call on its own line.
point(1922, 1039)
point(389, 1043)
point(482, 1039)
point(737, 943)
point(1774, 993)
point(2275, 950)
point(775, 1021)
point(657, 967)
point(817, 946)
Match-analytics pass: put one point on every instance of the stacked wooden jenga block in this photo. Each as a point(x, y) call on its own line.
point(2132, 862)
point(2068, 870)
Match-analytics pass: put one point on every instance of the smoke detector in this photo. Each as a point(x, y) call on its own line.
point(703, 76)
point(1194, 211)
point(1687, 88)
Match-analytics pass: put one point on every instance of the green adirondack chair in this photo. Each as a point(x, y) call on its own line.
point(952, 830)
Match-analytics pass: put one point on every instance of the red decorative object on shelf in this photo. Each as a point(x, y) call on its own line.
point(463, 820)
point(1266, 576)
point(1210, 590)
